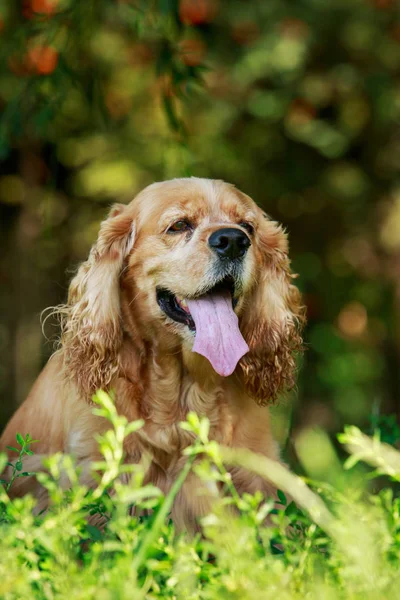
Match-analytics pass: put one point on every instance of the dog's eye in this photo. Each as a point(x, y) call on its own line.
point(179, 226)
point(247, 226)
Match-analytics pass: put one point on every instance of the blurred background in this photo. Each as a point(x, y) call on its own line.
point(296, 102)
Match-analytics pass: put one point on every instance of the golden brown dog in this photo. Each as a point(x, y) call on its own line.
point(185, 303)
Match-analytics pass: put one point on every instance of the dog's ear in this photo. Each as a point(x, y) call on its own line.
point(273, 323)
point(91, 321)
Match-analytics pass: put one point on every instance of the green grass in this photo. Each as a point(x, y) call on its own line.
point(336, 539)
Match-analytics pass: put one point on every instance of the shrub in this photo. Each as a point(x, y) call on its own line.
point(329, 542)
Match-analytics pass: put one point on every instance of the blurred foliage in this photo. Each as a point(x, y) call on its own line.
point(297, 103)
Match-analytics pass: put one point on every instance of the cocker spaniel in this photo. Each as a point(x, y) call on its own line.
point(186, 303)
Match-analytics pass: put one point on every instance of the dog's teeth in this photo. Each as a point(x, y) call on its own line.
point(182, 303)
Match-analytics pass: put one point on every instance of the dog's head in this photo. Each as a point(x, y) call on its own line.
point(192, 263)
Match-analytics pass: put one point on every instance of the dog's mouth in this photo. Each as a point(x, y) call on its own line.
point(177, 309)
point(211, 316)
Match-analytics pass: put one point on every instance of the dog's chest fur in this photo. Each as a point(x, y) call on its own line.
point(170, 392)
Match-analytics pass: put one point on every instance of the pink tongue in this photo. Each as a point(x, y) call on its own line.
point(218, 337)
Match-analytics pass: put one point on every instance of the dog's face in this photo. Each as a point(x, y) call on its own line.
point(194, 239)
point(206, 268)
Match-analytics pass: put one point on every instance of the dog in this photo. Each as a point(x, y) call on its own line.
point(185, 303)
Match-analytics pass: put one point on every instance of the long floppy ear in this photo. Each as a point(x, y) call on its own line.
point(91, 321)
point(273, 323)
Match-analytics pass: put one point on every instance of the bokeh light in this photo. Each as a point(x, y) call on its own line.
point(298, 104)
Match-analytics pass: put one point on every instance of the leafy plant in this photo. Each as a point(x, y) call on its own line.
point(116, 540)
point(16, 466)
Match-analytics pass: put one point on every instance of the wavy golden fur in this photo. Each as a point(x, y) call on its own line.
point(115, 335)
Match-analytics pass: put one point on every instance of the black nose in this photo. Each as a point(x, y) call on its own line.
point(229, 242)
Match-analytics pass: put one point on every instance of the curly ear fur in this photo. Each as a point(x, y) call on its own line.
point(274, 322)
point(91, 329)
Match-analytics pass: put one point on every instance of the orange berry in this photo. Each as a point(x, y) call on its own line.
point(294, 28)
point(27, 11)
point(383, 4)
point(300, 112)
point(192, 52)
point(44, 7)
point(42, 59)
point(118, 105)
point(245, 32)
point(196, 12)
point(396, 32)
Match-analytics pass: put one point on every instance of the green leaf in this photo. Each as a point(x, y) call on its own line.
point(291, 509)
point(171, 113)
point(134, 426)
point(351, 462)
point(204, 430)
point(94, 532)
point(163, 64)
point(282, 497)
